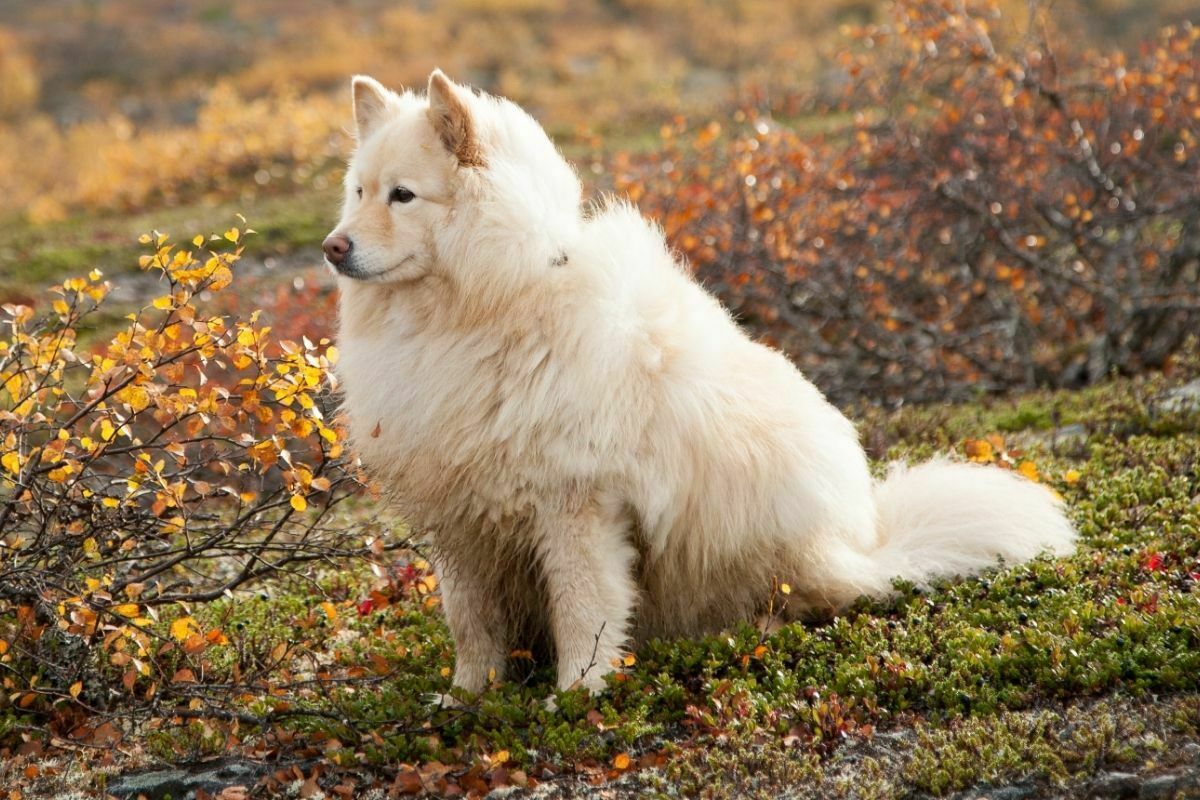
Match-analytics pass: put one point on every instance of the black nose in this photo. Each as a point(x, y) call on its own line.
point(336, 248)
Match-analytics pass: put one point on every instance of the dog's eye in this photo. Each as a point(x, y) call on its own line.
point(359, 191)
point(401, 195)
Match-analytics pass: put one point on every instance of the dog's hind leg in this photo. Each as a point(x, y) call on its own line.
point(587, 564)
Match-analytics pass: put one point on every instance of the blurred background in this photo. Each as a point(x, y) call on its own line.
point(122, 116)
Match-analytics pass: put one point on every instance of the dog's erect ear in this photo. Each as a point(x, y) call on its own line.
point(451, 117)
point(370, 103)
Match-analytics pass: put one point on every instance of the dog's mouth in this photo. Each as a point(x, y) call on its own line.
point(349, 269)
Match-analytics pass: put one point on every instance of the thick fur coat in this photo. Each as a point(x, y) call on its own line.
point(594, 449)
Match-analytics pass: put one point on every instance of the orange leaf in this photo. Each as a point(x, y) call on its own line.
point(980, 451)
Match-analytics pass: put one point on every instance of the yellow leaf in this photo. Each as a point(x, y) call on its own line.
point(331, 354)
point(330, 610)
point(76, 688)
point(500, 757)
point(233, 234)
point(128, 609)
point(785, 588)
point(90, 547)
point(221, 278)
point(61, 308)
point(299, 503)
point(182, 628)
point(164, 302)
point(198, 241)
point(11, 461)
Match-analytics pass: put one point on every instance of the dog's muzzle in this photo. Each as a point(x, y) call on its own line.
point(337, 248)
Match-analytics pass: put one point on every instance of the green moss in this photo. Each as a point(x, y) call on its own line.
point(1045, 632)
point(986, 680)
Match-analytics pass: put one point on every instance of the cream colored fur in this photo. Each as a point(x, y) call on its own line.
point(595, 450)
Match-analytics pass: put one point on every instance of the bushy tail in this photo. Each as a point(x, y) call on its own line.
point(946, 518)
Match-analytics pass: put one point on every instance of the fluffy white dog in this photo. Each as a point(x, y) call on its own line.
point(594, 449)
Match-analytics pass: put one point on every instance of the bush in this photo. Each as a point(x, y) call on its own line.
point(992, 219)
point(186, 457)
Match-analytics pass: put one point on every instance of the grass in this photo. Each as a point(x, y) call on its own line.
point(1045, 673)
point(36, 255)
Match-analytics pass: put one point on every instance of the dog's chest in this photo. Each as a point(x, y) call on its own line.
point(464, 423)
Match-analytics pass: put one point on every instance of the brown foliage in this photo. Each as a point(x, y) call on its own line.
point(991, 219)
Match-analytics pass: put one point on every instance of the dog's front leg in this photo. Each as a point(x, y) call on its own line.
point(587, 563)
point(478, 626)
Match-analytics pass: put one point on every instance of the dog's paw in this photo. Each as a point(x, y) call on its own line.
point(435, 701)
point(593, 684)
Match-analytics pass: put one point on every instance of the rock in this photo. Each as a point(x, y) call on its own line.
point(1016, 792)
point(1181, 399)
point(1066, 436)
point(1161, 788)
point(181, 783)
point(1115, 784)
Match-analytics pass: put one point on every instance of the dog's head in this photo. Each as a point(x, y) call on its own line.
point(456, 184)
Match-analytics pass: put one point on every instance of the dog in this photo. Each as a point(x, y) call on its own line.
point(595, 451)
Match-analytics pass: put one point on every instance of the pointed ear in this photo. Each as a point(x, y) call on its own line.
point(370, 103)
point(451, 117)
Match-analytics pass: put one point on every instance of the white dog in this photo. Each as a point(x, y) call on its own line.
point(596, 452)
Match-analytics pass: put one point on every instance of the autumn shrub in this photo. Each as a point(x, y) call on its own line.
point(189, 456)
point(992, 218)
